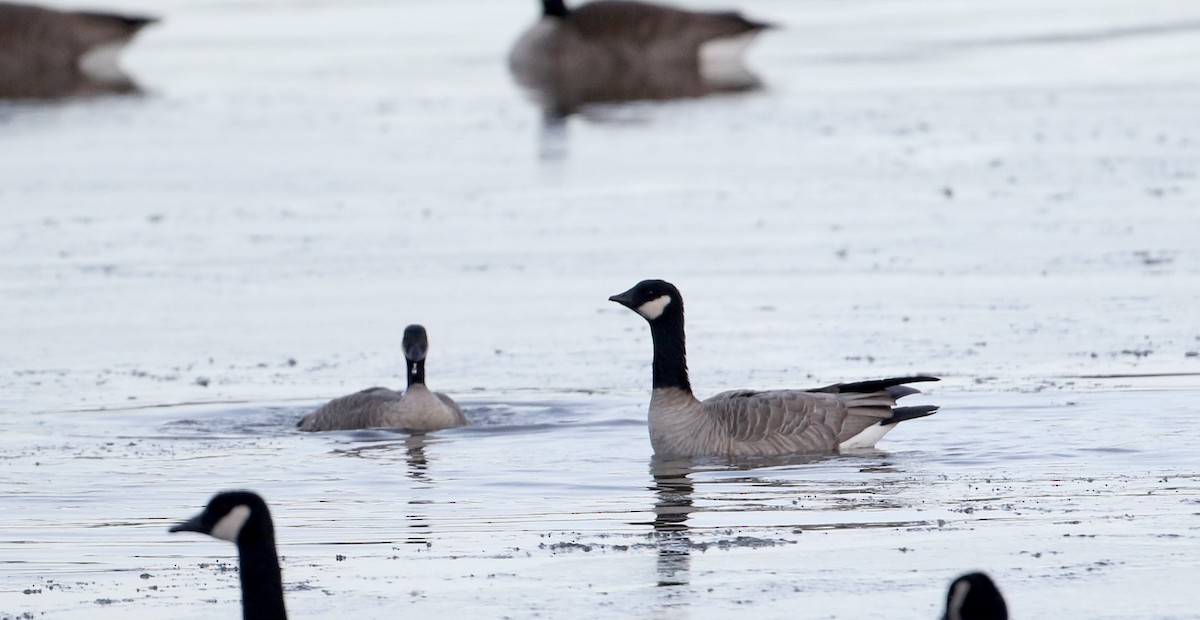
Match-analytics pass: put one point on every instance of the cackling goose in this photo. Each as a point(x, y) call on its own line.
point(619, 50)
point(416, 409)
point(242, 517)
point(834, 418)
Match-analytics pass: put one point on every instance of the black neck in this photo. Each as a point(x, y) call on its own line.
point(670, 352)
point(262, 583)
point(554, 8)
point(416, 372)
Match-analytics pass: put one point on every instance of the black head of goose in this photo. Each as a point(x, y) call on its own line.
point(618, 50)
point(416, 347)
point(416, 409)
point(242, 517)
point(834, 418)
point(974, 596)
point(48, 53)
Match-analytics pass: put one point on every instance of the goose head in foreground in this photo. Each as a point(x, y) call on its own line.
point(834, 418)
point(48, 53)
point(611, 51)
point(416, 409)
point(242, 517)
point(974, 596)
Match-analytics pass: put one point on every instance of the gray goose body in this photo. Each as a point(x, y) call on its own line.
point(775, 422)
point(618, 50)
point(740, 423)
point(47, 53)
point(416, 409)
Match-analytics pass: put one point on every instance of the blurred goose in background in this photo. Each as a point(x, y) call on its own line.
point(242, 518)
point(975, 597)
point(415, 409)
point(840, 417)
point(620, 50)
point(47, 53)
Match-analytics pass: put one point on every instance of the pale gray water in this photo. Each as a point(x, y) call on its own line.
point(1082, 505)
point(999, 193)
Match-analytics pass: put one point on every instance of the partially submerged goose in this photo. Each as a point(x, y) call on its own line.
point(834, 418)
point(974, 597)
point(46, 53)
point(620, 50)
point(415, 409)
point(242, 518)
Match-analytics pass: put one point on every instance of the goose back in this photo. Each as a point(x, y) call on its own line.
point(617, 50)
point(372, 407)
point(607, 34)
point(651, 26)
point(50, 53)
point(417, 409)
point(777, 422)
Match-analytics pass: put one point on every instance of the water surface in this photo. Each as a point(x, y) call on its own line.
point(1003, 194)
point(1081, 505)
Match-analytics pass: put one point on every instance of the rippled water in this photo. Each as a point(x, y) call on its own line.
point(1082, 505)
point(999, 193)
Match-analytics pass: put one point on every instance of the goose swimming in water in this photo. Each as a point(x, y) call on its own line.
point(415, 409)
point(242, 518)
point(619, 50)
point(835, 418)
point(974, 596)
point(47, 53)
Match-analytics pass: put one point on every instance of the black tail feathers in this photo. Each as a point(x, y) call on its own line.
point(900, 414)
point(877, 385)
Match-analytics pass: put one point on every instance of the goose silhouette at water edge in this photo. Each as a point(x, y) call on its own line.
point(48, 53)
point(415, 409)
point(834, 418)
point(242, 517)
point(974, 596)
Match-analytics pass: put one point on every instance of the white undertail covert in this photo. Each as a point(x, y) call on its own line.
point(866, 438)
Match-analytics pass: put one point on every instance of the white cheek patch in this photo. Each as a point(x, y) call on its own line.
point(958, 596)
point(231, 524)
point(654, 308)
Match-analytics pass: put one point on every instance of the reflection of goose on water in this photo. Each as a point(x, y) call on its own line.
point(673, 505)
point(618, 50)
point(416, 409)
point(413, 446)
point(46, 53)
point(242, 518)
point(742, 423)
point(974, 596)
point(673, 493)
